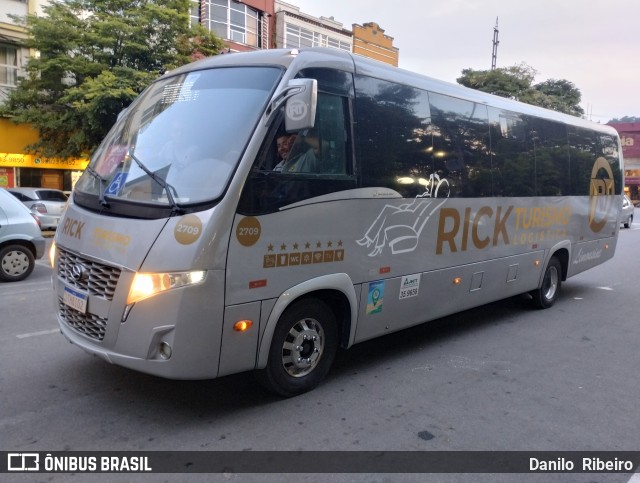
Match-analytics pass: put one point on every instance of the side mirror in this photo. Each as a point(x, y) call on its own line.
point(300, 107)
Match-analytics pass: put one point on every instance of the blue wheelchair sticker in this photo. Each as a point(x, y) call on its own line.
point(116, 183)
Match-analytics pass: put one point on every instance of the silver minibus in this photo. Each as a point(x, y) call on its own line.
point(259, 211)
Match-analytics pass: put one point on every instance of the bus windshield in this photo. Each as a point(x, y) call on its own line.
point(181, 141)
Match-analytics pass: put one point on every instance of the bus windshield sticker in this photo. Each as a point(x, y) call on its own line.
point(375, 298)
point(409, 286)
point(116, 184)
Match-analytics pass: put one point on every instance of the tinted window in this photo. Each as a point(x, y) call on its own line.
point(51, 195)
point(608, 148)
point(20, 196)
point(293, 167)
point(549, 148)
point(394, 139)
point(512, 165)
point(583, 145)
point(461, 145)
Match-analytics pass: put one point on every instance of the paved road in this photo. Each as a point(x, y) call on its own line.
point(501, 377)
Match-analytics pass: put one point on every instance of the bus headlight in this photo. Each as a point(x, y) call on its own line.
point(147, 285)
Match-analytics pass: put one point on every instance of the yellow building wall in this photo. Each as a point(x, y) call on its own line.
point(13, 140)
point(370, 41)
point(14, 137)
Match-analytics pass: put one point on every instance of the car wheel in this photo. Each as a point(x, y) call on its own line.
point(545, 296)
point(304, 344)
point(629, 222)
point(16, 263)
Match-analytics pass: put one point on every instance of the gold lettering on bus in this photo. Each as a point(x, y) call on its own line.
point(600, 190)
point(528, 225)
point(73, 227)
point(474, 228)
point(111, 236)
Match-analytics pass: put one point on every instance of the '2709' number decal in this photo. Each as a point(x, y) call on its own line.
point(248, 231)
point(188, 229)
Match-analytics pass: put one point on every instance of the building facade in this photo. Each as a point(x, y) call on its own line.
point(244, 25)
point(17, 166)
point(297, 30)
point(370, 40)
point(630, 139)
point(12, 56)
point(265, 24)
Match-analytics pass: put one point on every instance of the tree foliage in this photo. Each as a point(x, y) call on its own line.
point(627, 119)
point(516, 82)
point(93, 57)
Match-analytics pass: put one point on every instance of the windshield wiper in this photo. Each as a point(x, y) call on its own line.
point(175, 207)
point(103, 185)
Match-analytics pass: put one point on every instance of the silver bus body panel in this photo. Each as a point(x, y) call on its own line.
point(178, 318)
point(90, 239)
point(516, 238)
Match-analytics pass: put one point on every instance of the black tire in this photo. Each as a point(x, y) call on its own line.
point(629, 222)
point(16, 263)
point(545, 296)
point(302, 350)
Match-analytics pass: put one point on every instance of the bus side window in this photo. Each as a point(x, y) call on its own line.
point(318, 163)
point(332, 134)
point(323, 149)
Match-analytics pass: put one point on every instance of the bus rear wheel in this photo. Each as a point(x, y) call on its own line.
point(302, 350)
point(545, 296)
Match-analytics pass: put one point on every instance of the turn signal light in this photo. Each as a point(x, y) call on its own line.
point(242, 325)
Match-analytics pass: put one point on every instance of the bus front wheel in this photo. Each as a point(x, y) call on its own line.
point(545, 296)
point(304, 344)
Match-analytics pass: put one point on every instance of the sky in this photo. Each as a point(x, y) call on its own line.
point(595, 44)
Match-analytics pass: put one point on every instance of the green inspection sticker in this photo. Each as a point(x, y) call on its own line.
point(375, 298)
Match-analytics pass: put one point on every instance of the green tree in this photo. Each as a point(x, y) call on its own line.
point(93, 58)
point(516, 82)
point(627, 119)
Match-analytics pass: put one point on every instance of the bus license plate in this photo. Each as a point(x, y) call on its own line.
point(76, 300)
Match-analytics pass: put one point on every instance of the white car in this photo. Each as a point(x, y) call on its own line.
point(21, 241)
point(47, 204)
point(627, 212)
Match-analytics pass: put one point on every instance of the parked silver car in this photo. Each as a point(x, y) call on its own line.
point(627, 212)
point(46, 203)
point(21, 241)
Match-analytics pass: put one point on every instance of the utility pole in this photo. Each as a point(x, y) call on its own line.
point(494, 55)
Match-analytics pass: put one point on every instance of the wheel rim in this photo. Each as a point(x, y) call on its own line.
point(551, 283)
point(15, 263)
point(303, 347)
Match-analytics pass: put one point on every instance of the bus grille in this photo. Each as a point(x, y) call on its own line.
point(99, 279)
point(90, 325)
